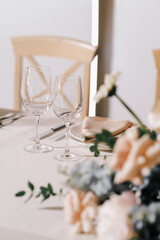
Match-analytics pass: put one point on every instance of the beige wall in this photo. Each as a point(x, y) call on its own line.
point(129, 31)
point(67, 18)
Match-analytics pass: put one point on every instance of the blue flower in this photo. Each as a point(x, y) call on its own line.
point(91, 176)
point(146, 221)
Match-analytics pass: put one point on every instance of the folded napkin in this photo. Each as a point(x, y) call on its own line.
point(93, 125)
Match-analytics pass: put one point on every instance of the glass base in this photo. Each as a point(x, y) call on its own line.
point(68, 157)
point(38, 149)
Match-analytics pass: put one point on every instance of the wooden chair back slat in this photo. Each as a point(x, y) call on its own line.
point(78, 51)
point(156, 54)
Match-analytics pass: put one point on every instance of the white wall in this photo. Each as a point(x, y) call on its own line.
point(133, 30)
point(67, 18)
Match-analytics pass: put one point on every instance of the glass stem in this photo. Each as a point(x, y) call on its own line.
point(67, 150)
point(37, 142)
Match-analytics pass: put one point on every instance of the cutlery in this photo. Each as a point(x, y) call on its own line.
point(9, 120)
point(57, 136)
point(8, 115)
point(49, 132)
point(51, 208)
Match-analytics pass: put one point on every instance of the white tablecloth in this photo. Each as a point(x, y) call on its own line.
point(28, 221)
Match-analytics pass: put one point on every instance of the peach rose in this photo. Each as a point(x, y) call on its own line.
point(122, 148)
point(113, 218)
point(133, 157)
point(80, 211)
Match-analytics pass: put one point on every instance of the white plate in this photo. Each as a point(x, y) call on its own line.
point(76, 135)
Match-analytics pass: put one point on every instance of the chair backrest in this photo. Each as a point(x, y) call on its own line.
point(156, 54)
point(80, 52)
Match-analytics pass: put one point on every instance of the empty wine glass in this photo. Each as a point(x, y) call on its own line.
point(67, 105)
point(36, 94)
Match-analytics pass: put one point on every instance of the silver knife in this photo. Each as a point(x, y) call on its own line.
point(58, 135)
point(8, 115)
point(9, 120)
point(49, 132)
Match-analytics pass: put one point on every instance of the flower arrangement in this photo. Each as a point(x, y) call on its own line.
point(92, 186)
point(118, 200)
point(96, 204)
point(126, 189)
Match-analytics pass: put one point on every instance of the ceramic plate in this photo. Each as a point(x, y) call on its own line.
point(76, 135)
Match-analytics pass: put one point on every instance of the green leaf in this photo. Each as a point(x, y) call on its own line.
point(93, 148)
point(106, 133)
point(50, 189)
point(112, 91)
point(44, 191)
point(99, 137)
point(153, 135)
point(96, 153)
point(87, 138)
point(103, 137)
point(20, 194)
point(31, 186)
point(111, 142)
point(143, 131)
point(46, 197)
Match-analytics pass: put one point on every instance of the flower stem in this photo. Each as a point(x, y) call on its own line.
point(31, 195)
point(131, 111)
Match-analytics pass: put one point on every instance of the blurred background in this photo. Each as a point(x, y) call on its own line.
point(126, 32)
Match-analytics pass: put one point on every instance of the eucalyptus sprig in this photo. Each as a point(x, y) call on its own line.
point(103, 137)
point(107, 138)
point(45, 192)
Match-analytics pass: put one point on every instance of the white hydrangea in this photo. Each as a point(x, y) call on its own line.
point(109, 82)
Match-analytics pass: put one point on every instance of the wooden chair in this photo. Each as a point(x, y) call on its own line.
point(154, 115)
point(156, 54)
point(30, 46)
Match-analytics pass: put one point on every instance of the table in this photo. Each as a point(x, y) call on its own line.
point(28, 221)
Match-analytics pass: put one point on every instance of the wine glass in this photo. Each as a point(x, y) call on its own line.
point(67, 105)
point(36, 94)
